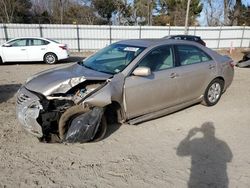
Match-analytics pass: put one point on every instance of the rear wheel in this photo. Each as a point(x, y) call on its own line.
point(73, 112)
point(50, 58)
point(213, 92)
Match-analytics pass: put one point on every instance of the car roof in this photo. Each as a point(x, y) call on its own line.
point(30, 38)
point(154, 42)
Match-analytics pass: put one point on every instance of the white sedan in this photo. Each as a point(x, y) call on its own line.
point(33, 49)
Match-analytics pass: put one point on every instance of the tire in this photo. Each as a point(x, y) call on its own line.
point(213, 92)
point(50, 58)
point(73, 112)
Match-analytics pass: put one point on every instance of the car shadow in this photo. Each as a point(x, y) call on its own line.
point(111, 129)
point(70, 59)
point(7, 91)
point(209, 157)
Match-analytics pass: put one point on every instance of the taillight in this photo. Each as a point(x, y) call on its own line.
point(232, 64)
point(64, 47)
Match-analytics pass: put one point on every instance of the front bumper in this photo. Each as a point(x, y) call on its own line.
point(27, 111)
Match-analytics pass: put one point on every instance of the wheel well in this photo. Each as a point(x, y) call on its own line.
point(113, 112)
point(222, 79)
point(50, 53)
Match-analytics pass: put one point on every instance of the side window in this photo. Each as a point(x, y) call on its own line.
point(191, 54)
point(158, 59)
point(38, 42)
point(19, 42)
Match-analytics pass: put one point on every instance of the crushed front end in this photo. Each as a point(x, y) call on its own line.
point(28, 108)
point(40, 115)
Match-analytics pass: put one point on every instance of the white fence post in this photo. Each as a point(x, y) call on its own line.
point(218, 46)
point(242, 37)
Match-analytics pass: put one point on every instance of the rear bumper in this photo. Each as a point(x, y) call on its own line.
point(63, 55)
point(27, 111)
point(229, 78)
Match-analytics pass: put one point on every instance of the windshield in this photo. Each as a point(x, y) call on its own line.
point(112, 59)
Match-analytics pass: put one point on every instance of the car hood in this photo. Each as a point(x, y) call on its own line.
point(62, 79)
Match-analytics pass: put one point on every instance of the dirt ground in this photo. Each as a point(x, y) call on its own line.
point(156, 153)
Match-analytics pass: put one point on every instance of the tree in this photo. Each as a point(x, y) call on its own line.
point(240, 14)
point(80, 15)
point(213, 12)
point(176, 10)
point(143, 11)
point(17, 11)
point(123, 12)
point(7, 10)
point(105, 8)
point(227, 6)
point(57, 10)
point(161, 20)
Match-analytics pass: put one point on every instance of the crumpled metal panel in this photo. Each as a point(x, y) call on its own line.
point(100, 98)
point(27, 111)
point(61, 80)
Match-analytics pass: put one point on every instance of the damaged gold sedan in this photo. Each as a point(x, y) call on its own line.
point(131, 81)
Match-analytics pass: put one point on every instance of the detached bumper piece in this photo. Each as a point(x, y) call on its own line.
point(242, 64)
point(27, 110)
point(84, 127)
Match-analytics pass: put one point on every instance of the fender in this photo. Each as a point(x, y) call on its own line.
point(100, 98)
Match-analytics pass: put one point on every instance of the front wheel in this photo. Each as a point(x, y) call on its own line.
point(213, 92)
point(71, 115)
point(50, 58)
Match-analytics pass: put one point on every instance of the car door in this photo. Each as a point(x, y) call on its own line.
point(196, 69)
point(15, 51)
point(155, 92)
point(36, 49)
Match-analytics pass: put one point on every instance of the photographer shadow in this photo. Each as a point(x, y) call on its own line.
point(7, 91)
point(209, 157)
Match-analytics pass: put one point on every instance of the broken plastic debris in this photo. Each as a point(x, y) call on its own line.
point(84, 127)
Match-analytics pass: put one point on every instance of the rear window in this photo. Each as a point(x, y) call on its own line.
point(190, 55)
point(53, 41)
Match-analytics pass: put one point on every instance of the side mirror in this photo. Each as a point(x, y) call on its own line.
point(6, 45)
point(142, 71)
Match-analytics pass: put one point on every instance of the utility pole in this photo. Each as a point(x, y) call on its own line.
point(187, 13)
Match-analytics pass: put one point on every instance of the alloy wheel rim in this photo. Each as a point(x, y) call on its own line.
point(50, 59)
point(214, 92)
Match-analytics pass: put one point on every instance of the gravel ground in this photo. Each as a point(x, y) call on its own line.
point(164, 152)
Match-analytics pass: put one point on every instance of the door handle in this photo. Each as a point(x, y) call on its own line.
point(211, 66)
point(42, 48)
point(173, 75)
point(23, 49)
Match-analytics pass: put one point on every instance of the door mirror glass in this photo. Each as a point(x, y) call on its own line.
point(6, 45)
point(142, 71)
